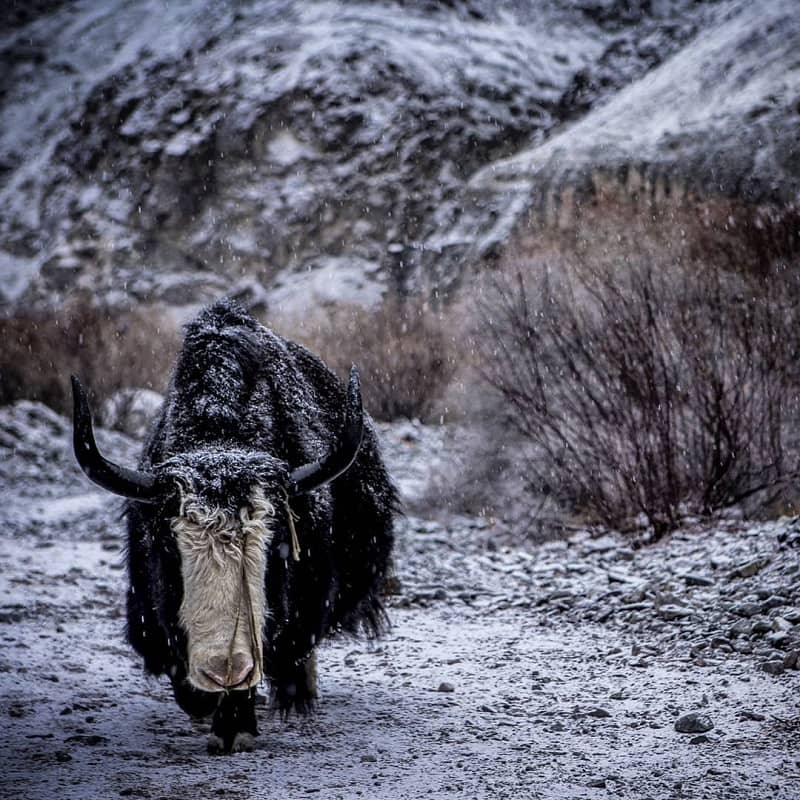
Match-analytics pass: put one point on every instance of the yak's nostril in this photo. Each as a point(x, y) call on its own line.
point(240, 668)
point(214, 678)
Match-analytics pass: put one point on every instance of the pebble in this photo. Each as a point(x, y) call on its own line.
point(746, 609)
point(603, 544)
point(792, 660)
point(691, 579)
point(90, 739)
point(740, 628)
point(598, 712)
point(779, 640)
point(792, 615)
point(694, 722)
point(774, 667)
point(671, 611)
point(772, 601)
point(446, 687)
point(596, 783)
point(750, 568)
point(752, 715)
point(762, 626)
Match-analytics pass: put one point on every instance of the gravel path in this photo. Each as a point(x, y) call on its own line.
point(555, 671)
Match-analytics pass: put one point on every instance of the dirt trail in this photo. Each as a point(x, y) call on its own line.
point(485, 686)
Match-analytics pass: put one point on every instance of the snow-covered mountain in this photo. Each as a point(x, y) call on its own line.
point(154, 151)
point(720, 117)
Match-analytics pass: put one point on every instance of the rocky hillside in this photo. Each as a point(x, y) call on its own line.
point(170, 153)
point(719, 119)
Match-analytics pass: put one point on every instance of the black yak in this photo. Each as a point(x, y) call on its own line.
point(260, 520)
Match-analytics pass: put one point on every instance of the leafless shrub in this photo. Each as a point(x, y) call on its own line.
point(108, 350)
point(403, 350)
point(647, 391)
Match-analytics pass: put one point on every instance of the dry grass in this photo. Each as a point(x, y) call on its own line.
point(404, 350)
point(108, 350)
point(660, 225)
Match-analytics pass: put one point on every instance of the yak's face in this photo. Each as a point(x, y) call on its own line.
point(223, 556)
point(222, 530)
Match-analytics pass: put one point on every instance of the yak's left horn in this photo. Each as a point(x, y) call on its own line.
point(134, 484)
point(311, 476)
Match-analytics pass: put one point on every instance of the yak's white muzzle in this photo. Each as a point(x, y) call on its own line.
point(223, 561)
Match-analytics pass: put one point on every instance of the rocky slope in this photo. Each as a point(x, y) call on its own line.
point(718, 119)
point(170, 152)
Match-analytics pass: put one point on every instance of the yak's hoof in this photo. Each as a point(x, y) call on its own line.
point(242, 742)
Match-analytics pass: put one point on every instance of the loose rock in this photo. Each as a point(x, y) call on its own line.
point(671, 611)
point(750, 568)
point(752, 715)
point(690, 579)
point(791, 660)
point(695, 722)
point(746, 609)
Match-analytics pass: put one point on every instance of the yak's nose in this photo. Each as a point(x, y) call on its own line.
point(241, 665)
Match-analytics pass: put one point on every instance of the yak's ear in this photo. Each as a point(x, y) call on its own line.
point(134, 484)
point(311, 476)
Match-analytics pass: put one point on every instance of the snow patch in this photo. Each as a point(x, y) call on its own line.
point(16, 275)
point(331, 280)
point(285, 149)
point(131, 411)
point(67, 509)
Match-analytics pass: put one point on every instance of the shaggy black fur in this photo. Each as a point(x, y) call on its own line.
point(245, 406)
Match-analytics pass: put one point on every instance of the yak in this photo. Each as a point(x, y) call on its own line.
point(259, 521)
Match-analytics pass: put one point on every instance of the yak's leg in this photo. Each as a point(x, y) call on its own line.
point(234, 724)
point(296, 689)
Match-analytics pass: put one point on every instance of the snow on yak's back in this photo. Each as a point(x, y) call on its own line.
point(259, 521)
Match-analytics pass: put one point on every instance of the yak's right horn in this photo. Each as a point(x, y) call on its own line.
point(134, 484)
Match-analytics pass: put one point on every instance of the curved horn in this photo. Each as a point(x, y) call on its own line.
point(129, 483)
point(311, 476)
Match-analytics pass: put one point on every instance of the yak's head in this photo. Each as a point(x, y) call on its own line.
point(223, 507)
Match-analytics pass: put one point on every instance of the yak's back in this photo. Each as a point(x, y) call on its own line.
point(236, 382)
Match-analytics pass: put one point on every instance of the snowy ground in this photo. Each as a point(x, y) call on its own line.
point(555, 671)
